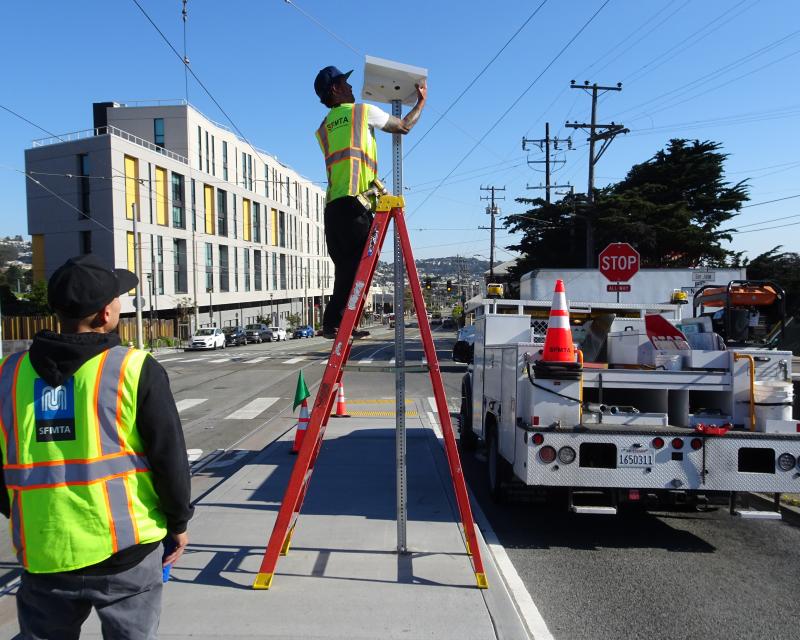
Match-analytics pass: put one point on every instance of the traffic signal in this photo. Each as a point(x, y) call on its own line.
point(449, 285)
point(427, 283)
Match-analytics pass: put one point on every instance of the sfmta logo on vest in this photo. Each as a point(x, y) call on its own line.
point(54, 409)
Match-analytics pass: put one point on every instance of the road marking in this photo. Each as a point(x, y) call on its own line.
point(380, 414)
point(293, 360)
point(376, 401)
point(432, 403)
point(435, 425)
point(324, 362)
point(194, 359)
point(171, 360)
point(219, 360)
point(255, 360)
point(194, 454)
point(366, 361)
point(188, 403)
point(252, 409)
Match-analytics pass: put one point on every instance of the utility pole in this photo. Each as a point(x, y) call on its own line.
point(544, 145)
point(137, 265)
point(492, 211)
point(603, 133)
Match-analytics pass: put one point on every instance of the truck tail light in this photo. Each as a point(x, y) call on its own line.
point(538, 439)
point(677, 443)
point(566, 455)
point(658, 443)
point(697, 444)
point(547, 454)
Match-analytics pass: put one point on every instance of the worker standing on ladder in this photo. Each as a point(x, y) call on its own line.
point(347, 139)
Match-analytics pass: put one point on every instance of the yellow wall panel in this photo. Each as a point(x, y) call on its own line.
point(246, 223)
point(274, 228)
point(161, 196)
point(209, 203)
point(131, 257)
point(132, 187)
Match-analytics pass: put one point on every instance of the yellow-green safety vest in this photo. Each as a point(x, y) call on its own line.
point(78, 481)
point(351, 154)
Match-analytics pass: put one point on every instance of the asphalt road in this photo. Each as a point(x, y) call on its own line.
point(670, 574)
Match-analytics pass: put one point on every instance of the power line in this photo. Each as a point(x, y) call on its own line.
point(758, 204)
point(33, 124)
point(513, 104)
point(755, 224)
point(779, 226)
point(324, 28)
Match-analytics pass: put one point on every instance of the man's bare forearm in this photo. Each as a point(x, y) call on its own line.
point(395, 125)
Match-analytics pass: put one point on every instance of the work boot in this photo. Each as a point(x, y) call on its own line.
point(360, 333)
point(329, 332)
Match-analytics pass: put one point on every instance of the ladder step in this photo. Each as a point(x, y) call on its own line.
point(755, 514)
point(593, 509)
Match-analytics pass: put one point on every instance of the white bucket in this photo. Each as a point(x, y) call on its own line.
point(773, 401)
point(668, 361)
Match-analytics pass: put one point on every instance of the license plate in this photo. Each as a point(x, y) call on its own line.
point(635, 457)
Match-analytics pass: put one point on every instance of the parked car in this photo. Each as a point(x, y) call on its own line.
point(464, 348)
point(303, 332)
point(275, 334)
point(234, 336)
point(207, 338)
point(448, 323)
point(257, 332)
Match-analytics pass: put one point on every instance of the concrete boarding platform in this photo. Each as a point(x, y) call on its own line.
point(342, 577)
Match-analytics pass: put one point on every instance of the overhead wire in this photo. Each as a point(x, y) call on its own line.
point(514, 104)
point(33, 124)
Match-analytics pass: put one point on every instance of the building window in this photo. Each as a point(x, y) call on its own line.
point(178, 218)
point(86, 242)
point(180, 265)
point(213, 157)
point(249, 172)
point(274, 270)
point(235, 218)
point(281, 229)
point(194, 206)
point(160, 265)
point(235, 269)
point(199, 149)
point(257, 270)
point(224, 278)
point(244, 169)
point(132, 187)
point(283, 272)
point(256, 222)
point(247, 269)
point(83, 184)
point(158, 132)
point(209, 267)
point(161, 196)
point(224, 160)
point(208, 168)
point(222, 212)
point(266, 180)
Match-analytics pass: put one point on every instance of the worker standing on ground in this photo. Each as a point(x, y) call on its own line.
point(347, 139)
point(94, 467)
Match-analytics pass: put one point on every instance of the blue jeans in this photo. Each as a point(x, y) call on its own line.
point(55, 605)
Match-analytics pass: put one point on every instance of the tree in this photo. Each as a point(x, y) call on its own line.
point(672, 208)
point(784, 269)
point(38, 298)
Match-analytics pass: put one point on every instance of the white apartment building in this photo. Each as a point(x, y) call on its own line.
point(223, 229)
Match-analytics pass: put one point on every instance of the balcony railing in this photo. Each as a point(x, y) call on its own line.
point(114, 131)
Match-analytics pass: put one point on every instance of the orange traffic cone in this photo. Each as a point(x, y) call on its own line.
point(302, 425)
point(341, 408)
point(558, 345)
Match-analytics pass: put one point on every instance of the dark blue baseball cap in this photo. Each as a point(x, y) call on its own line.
point(325, 79)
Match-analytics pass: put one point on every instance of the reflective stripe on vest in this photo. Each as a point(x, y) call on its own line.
point(108, 482)
point(350, 151)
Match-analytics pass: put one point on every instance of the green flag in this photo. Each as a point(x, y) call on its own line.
point(301, 393)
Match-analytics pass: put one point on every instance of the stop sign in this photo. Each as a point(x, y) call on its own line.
point(619, 262)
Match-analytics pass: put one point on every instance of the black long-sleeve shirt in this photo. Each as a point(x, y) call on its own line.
point(56, 357)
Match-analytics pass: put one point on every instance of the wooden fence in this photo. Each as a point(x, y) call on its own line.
point(25, 327)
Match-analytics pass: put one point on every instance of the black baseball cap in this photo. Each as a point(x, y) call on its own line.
point(83, 285)
point(325, 79)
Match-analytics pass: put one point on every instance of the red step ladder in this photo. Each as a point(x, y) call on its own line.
point(389, 208)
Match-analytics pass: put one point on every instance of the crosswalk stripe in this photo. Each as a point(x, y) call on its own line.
point(366, 361)
point(252, 409)
point(219, 360)
point(188, 403)
point(255, 360)
point(293, 360)
point(171, 360)
point(194, 359)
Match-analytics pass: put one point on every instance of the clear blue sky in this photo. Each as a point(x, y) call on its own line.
point(686, 68)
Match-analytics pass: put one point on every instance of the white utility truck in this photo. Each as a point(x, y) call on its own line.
point(633, 422)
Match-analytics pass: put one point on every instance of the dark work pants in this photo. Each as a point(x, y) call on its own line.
point(53, 606)
point(347, 226)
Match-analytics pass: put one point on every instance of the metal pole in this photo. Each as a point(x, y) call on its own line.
point(399, 340)
point(150, 277)
point(137, 265)
point(547, 162)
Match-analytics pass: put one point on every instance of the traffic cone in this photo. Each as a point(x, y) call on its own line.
point(302, 425)
point(341, 408)
point(558, 345)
